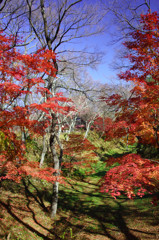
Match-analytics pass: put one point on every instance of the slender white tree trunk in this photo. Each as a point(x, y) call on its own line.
point(87, 129)
point(54, 199)
point(43, 151)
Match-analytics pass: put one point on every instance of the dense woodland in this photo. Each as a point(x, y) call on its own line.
point(78, 159)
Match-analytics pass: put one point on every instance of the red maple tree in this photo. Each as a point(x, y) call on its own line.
point(138, 116)
point(21, 76)
point(78, 152)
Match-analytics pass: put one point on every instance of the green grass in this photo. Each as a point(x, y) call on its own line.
point(84, 213)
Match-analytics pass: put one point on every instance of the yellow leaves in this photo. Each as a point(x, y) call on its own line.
point(4, 142)
point(155, 173)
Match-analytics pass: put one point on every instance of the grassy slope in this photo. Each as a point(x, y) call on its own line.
point(84, 213)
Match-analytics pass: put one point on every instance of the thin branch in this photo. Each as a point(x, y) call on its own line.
point(4, 4)
point(32, 25)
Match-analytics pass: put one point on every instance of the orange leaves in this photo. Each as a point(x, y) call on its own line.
point(20, 83)
point(140, 110)
point(139, 114)
point(102, 124)
point(76, 144)
point(144, 49)
point(32, 169)
point(16, 170)
point(134, 176)
point(78, 151)
point(41, 62)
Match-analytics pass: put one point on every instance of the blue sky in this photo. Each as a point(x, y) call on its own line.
point(105, 72)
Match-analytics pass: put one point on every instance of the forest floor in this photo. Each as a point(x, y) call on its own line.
point(83, 214)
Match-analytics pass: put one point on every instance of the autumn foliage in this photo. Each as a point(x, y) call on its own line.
point(78, 152)
point(137, 117)
point(134, 176)
point(21, 78)
point(102, 125)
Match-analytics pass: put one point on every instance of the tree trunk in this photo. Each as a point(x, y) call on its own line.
point(54, 204)
point(56, 164)
point(88, 125)
point(44, 151)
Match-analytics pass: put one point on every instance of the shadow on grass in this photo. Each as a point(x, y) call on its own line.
point(116, 155)
point(19, 207)
point(26, 225)
point(38, 195)
point(84, 211)
point(109, 221)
